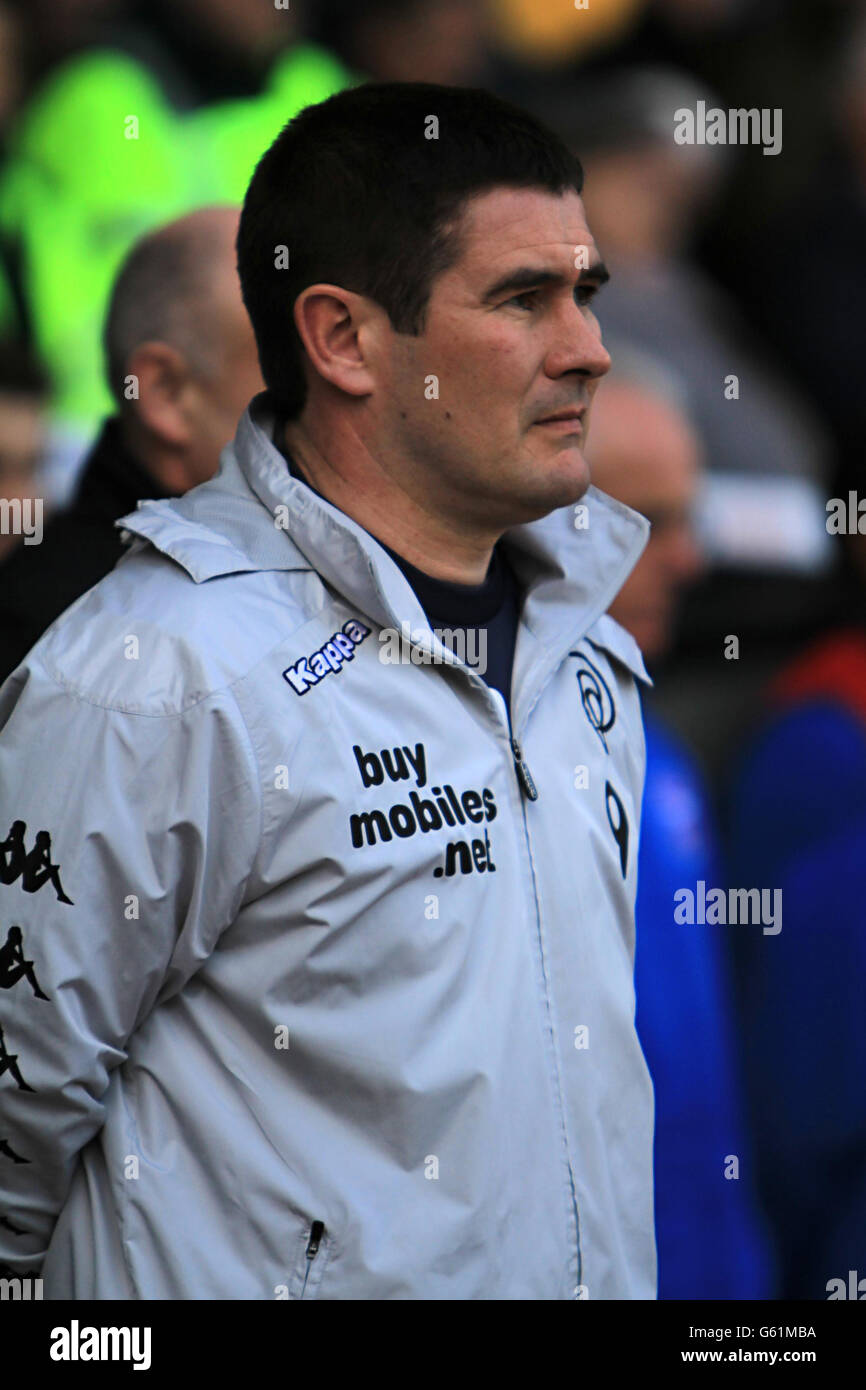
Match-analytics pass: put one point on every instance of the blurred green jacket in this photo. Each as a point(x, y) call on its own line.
point(98, 158)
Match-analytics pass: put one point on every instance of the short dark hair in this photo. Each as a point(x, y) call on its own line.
point(360, 197)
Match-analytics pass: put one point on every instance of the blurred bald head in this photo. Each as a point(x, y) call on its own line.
point(644, 452)
point(180, 352)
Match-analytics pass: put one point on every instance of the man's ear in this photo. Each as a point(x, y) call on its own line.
point(162, 377)
point(340, 331)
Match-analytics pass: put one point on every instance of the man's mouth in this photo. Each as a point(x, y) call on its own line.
point(566, 420)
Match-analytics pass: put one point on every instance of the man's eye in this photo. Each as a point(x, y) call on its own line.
point(531, 295)
point(583, 294)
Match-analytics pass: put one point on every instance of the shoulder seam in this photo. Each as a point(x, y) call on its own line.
point(84, 698)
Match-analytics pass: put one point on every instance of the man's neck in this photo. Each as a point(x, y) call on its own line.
point(381, 506)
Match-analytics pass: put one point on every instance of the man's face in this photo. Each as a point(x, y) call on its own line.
point(512, 341)
point(645, 455)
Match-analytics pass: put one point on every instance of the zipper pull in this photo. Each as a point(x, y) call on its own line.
point(316, 1232)
point(523, 773)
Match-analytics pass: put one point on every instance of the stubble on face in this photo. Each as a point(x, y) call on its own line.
point(464, 400)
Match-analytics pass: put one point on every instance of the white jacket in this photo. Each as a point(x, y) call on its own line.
point(309, 997)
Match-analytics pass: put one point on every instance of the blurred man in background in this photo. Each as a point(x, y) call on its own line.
point(644, 448)
point(645, 453)
point(182, 364)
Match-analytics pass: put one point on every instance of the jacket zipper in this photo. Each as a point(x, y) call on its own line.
point(524, 776)
point(317, 1230)
point(526, 784)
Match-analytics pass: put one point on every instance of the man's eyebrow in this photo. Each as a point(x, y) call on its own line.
point(527, 277)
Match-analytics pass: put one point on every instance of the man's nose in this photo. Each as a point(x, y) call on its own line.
point(576, 345)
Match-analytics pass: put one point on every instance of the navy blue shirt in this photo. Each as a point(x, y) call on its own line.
point(483, 617)
point(486, 614)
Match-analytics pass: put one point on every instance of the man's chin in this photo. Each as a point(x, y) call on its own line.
point(552, 500)
point(566, 481)
point(546, 485)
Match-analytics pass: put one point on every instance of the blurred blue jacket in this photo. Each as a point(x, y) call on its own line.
point(710, 1238)
point(798, 819)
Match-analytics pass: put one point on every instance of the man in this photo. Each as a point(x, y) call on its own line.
point(343, 1007)
point(182, 365)
point(646, 454)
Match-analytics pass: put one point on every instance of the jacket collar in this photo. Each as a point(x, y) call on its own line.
point(570, 574)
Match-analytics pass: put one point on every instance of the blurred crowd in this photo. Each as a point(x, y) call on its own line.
point(736, 318)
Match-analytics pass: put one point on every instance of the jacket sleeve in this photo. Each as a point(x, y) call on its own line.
point(126, 845)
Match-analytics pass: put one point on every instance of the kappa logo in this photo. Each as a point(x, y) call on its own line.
point(34, 869)
point(9, 1062)
point(329, 658)
point(14, 966)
